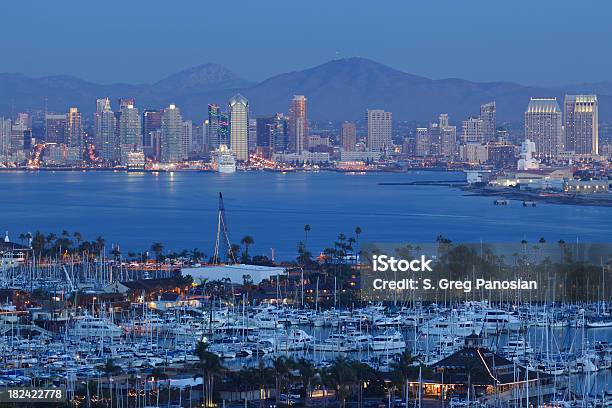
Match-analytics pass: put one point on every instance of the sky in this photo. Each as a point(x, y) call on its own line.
point(537, 42)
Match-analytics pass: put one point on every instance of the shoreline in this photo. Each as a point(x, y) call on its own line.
point(597, 200)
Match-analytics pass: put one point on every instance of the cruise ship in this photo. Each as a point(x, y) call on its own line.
point(224, 160)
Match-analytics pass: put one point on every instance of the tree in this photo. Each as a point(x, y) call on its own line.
point(402, 370)
point(306, 231)
point(308, 374)
point(157, 248)
point(209, 366)
point(247, 241)
point(281, 366)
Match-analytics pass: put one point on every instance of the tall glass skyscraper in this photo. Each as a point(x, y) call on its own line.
point(171, 135)
point(239, 127)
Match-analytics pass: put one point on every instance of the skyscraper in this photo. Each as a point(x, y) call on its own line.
point(74, 129)
point(348, 136)
point(380, 130)
point(55, 128)
point(130, 131)
point(187, 138)
point(472, 130)
point(448, 137)
point(239, 127)
point(298, 124)
point(106, 136)
point(581, 121)
point(487, 114)
point(151, 121)
point(422, 142)
point(171, 135)
point(217, 127)
point(543, 126)
point(264, 127)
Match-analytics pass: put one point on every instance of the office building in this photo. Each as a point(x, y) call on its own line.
point(151, 122)
point(472, 130)
point(239, 127)
point(543, 126)
point(171, 135)
point(55, 128)
point(106, 142)
point(298, 125)
point(348, 136)
point(380, 130)
point(74, 129)
point(581, 124)
point(487, 114)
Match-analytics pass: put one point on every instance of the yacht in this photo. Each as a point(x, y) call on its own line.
point(95, 327)
point(388, 341)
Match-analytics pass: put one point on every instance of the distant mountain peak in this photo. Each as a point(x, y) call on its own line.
point(201, 78)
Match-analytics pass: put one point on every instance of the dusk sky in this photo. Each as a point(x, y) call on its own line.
point(531, 42)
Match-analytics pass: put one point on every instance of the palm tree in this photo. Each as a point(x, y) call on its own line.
point(306, 231)
point(308, 373)
point(209, 366)
point(157, 248)
point(281, 366)
point(402, 370)
point(357, 234)
point(247, 240)
point(78, 237)
point(22, 237)
point(341, 376)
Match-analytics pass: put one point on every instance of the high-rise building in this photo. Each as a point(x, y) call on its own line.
point(279, 133)
point(298, 124)
point(187, 138)
point(252, 134)
point(130, 131)
point(130, 128)
point(380, 130)
point(422, 141)
point(264, 127)
point(55, 128)
point(218, 127)
point(543, 126)
point(487, 114)
point(581, 122)
point(5, 137)
point(74, 128)
point(171, 135)
point(151, 121)
point(106, 136)
point(348, 136)
point(448, 137)
point(239, 127)
point(472, 130)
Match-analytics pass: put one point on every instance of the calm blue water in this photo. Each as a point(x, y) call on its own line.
point(134, 210)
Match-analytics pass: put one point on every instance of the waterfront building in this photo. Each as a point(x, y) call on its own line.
point(543, 126)
point(448, 140)
point(304, 157)
point(279, 133)
point(130, 131)
point(501, 155)
point(264, 127)
point(380, 130)
point(359, 156)
point(151, 121)
point(298, 125)
point(472, 130)
point(348, 136)
point(74, 128)
point(171, 135)
point(186, 139)
point(106, 138)
point(526, 157)
point(239, 127)
point(488, 116)
point(55, 128)
point(422, 142)
point(218, 127)
point(581, 124)
point(474, 153)
point(5, 137)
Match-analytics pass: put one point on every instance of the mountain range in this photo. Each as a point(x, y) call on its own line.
point(337, 90)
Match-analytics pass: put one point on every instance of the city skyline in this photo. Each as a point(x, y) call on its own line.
point(421, 47)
